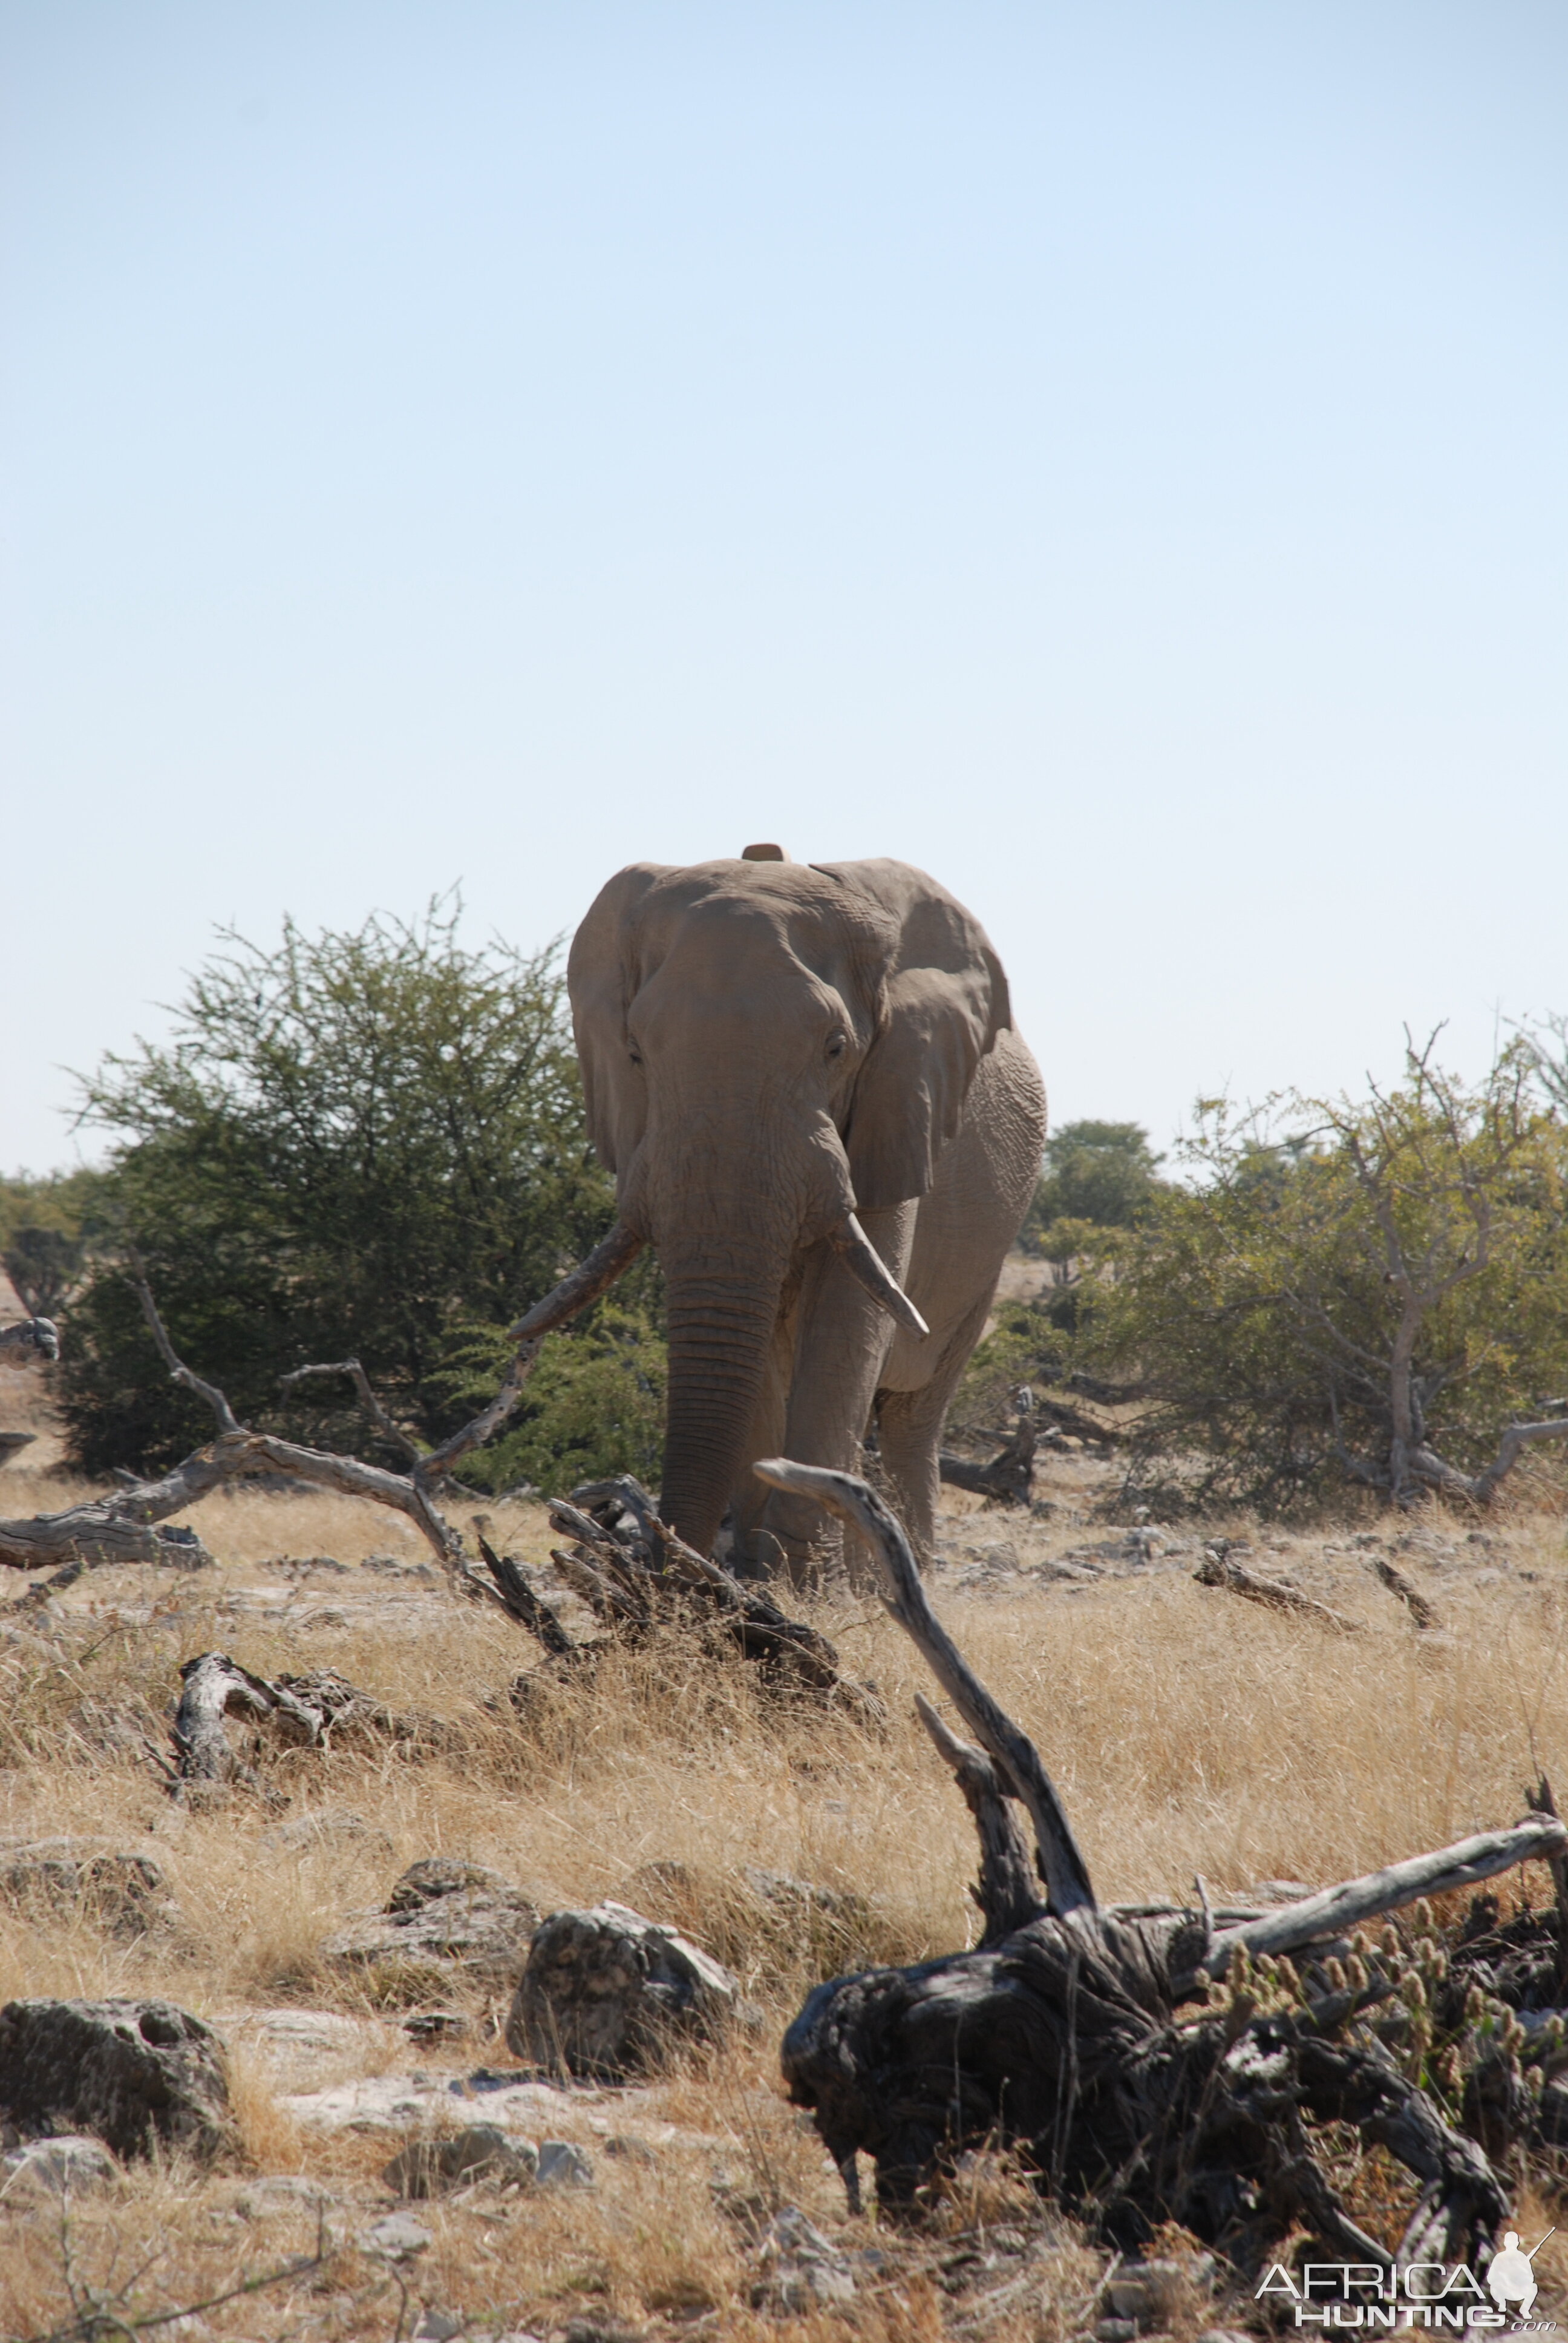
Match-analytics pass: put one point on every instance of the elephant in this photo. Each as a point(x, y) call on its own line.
point(807, 1081)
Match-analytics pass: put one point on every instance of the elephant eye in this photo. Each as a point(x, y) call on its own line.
point(837, 1045)
point(635, 1055)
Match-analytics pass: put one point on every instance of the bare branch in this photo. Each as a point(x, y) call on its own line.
point(368, 1401)
point(119, 1529)
point(610, 1259)
point(1420, 1609)
point(1482, 1486)
point(1006, 1893)
point(1354, 1901)
point(1217, 1569)
point(1062, 1866)
point(525, 1605)
point(178, 1371)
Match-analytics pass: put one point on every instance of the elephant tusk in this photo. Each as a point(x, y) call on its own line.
point(610, 1259)
point(865, 1264)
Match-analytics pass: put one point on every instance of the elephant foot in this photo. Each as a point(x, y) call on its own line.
point(804, 1564)
point(755, 1559)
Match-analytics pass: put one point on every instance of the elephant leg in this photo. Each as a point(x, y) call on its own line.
point(910, 1430)
point(842, 1346)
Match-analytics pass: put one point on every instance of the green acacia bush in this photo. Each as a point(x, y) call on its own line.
point(368, 1143)
point(1367, 1300)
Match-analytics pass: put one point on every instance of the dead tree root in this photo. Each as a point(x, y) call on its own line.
point(1101, 2048)
point(1063, 2041)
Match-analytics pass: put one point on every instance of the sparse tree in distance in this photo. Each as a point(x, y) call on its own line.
point(1375, 1298)
point(1097, 1175)
point(45, 1225)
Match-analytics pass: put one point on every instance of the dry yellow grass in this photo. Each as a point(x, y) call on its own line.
point(1188, 1732)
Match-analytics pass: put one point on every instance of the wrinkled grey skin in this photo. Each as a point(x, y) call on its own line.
point(766, 1046)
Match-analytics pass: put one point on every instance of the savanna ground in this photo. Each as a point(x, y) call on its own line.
point(1188, 1732)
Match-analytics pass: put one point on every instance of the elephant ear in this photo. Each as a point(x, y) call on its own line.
point(943, 1001)
point(601, 980)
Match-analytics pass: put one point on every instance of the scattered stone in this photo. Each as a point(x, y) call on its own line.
point(394, 2105)
point(797, 1900)
point(437, 2326)
point(445, 1921)
point(123, 1891)
point(606, 1990)
point(437, 2025)
point(132, 2073)
point(562, 2166)
point(322, 1828)
point(435, 1875)
point(800, 2269)
point(68, 2166)
point(276, 2192)
point(396, 2235)
point(296, 2044)
point(428, 2168)
point(1152, 2293)
point(1115, 2330)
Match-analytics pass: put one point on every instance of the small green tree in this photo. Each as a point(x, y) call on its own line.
point(1375, 1298)
point(366, 1142)
point(42, 1266)
point(1104, 1175)
point(45, 1227)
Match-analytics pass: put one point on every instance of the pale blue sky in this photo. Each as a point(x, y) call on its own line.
point(1113, 455)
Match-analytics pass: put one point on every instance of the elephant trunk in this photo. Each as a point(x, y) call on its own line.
point(720, 1331)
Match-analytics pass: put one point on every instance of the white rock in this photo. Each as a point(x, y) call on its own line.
point(800, 2269)
point(70, 2164)
point(562, 2166)
point(428, 2168)
point(396, 2235)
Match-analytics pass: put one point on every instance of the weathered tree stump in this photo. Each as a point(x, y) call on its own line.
point(1095, 2044)
point(311, 1711)
point(637, 1577)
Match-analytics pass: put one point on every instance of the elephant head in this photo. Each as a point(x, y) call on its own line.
point(768, 1047)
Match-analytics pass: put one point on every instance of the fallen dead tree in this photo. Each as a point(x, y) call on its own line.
point(1220, 1568)
point(1094, 2042)
point(128, 1526)
point(314, 1711)
point(1007, 1476)
point(637, 1577)
point(1010, 1476)
point(632, 1570)
point(1423, 1612)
